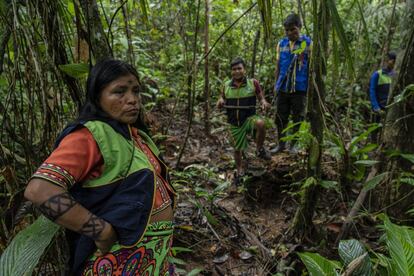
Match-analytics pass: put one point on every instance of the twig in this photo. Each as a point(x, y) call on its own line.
point(214, 232)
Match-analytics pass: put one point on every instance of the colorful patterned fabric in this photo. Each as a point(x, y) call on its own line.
point(135, 196)
point(148, 257)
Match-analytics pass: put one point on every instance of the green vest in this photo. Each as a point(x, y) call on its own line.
point(117, 154)
point(245, 91)
point(383, 78)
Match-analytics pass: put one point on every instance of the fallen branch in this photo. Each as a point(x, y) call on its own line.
point(355, 209)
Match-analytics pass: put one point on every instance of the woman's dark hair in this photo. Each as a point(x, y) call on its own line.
point(100, 75)
point(292, 20)
point(236, 61)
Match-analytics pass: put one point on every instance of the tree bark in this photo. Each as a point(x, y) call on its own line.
point(302, 222)
point(398, 136)
point(56, 46)
point(206, 63)
point(97, 40)
point(131, 56)
point(5, 37)
point(255, 47)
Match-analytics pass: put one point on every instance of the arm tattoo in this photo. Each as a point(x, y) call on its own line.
point(57, 205)
point(93, 227)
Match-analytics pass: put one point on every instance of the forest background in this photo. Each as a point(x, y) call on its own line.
point(338, 188)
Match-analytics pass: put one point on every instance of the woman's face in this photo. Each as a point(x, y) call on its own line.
point(120, 99)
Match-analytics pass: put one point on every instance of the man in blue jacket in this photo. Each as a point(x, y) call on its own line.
point(380, 84)
point(292, 67)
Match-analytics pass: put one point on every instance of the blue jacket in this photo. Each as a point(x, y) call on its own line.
point(379, 88)
point(293, 65)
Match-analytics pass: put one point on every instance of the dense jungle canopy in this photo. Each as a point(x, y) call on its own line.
point(342, 205)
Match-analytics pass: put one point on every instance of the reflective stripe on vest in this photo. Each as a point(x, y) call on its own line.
point(244, 91)
point(299, 74)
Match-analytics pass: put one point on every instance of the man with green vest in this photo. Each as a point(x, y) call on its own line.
point(380, 84)
point(239, 96)
point(379, 88)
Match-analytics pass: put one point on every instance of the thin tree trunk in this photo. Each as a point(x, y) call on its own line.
point(398, 136)
point(5, 37)
point(302, 223)
point(255, 47)
point(125, 14)
point(56, 46)
point(191, 77)
point(206, 76)
point(387, 42)
point(98, 42)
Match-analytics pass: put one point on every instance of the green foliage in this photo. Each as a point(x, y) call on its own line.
point(79, 70)
point(318, 265)
point(179, 262)
point(400, 244)
point(26, 249)
point(354, 154)
point(372, 183)
point(350, 250)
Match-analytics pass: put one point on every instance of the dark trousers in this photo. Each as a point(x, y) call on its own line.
point(376, 134)
point(289, 104)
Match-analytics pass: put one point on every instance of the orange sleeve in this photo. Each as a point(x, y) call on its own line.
point(77, 158)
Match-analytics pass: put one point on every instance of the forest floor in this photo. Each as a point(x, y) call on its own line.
point(245, 230)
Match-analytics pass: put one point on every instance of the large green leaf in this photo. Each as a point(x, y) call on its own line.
point(349, 250)
point(25, 250)
point(318, 265)
point(75, 70)
point(400, 243)
point(373, 182)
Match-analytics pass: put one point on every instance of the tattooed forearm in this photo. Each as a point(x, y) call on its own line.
point(93, 227)
point(57, 205)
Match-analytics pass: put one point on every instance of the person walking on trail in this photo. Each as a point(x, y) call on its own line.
point(379, 88)
point(380, 84)
point(292, 66)
point(239, 96)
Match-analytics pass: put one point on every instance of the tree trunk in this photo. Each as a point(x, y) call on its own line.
point(98, 42)
point(398, 136)
point(131, 57)
point(302, 223)
point(255, 46)
point(192, 76)
point(206, 76)
point(5, 37)
point(56, 46)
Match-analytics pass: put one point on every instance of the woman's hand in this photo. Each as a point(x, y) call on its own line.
point(105, 240)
